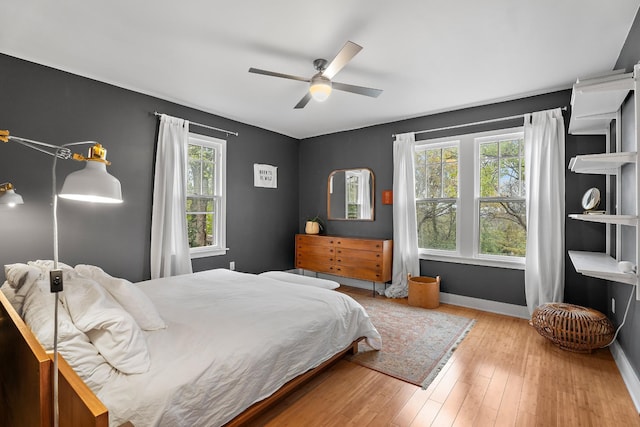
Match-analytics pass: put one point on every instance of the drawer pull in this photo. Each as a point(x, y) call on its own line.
point(331, 242)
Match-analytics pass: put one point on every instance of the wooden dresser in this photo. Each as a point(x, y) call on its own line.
point(357, 258)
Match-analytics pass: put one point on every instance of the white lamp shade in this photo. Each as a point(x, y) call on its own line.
point(320, 88)
point(92, 184)
point(11, 198)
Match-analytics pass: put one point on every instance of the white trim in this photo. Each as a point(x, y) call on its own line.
point(628, 374)
point(504, 308)
point(220, 146)
point(516, 264)
point(512, 310)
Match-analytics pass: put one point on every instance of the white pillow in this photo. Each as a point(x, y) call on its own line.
point(110, 328)
point(19, 274)
point(10, 293)
point(130, 297)
point(299, 279)
point(46, 264)
point(73, 345)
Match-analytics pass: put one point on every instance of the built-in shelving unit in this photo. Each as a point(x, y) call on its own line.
point(594, 103)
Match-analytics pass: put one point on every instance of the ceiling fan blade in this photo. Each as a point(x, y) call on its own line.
point(348, 51)
point(360, 90)
point(304, 101)
point(274, 74)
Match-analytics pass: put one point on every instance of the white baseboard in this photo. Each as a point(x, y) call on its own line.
point(628, 374)
point(469, 302)
point(486, 305)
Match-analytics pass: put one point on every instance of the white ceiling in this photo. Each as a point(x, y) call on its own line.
point(427, 55)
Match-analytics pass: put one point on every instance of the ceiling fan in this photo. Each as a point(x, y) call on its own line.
point(320, 84)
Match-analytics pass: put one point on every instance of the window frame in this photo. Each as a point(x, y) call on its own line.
point(443, 143)
point(220, 194)
point(468, 202)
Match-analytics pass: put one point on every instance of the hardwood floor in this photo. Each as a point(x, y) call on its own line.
point(503, 374)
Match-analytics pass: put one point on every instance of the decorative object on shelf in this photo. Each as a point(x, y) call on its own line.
point(91, 184)
point(591, 201)
point(314, 225)
point(573, 327)
point(626, 267)
point(424, 291)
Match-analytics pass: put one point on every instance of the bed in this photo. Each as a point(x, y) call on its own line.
point(221, 346)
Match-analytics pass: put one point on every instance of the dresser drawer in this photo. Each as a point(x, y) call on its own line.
point(353, 255)
point(314, 240)
point(315, 264)
point(361, 273)
point(320, 251)
point(360, 244)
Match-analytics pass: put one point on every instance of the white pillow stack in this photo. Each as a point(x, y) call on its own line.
point(73, 344)
point(128, 295)
point(100, 318)
point(110, 328)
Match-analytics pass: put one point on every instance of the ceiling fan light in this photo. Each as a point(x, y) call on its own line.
point(320, 88)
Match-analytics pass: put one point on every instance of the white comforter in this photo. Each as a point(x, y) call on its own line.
point(232, 339)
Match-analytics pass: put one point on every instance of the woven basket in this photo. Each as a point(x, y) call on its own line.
point(572, 327)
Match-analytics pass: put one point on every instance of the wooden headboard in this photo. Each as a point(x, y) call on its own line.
point(26, 381)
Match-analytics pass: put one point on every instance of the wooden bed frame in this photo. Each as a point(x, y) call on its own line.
point(26, 382)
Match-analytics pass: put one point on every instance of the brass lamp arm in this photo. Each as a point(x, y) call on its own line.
point(59, 151)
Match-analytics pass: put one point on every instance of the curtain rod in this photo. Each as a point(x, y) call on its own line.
point(482, 122)
point(228, 132)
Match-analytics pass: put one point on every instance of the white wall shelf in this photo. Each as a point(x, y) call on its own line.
point(594, 103)
point(605, 163)
point(600, 265)
point(631, 220)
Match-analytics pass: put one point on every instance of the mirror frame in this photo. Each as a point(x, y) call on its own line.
point(373, 195)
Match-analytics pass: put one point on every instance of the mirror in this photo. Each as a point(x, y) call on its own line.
point(591, 199)
point(350, 194)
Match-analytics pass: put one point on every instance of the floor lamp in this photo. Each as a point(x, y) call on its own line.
point(91, 184)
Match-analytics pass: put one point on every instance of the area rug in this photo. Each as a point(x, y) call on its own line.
point(416, 342)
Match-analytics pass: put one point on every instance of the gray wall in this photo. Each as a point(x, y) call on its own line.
point(628, 337)
point(47, 105)
point(373, 147)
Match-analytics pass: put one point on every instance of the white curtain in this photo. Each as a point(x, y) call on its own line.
point(169, 241)
point(544, 156)
point(405, 229)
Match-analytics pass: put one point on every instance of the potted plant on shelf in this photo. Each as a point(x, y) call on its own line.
point(314, 225)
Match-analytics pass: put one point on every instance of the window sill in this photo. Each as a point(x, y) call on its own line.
point(203, 253)
point(486, 262)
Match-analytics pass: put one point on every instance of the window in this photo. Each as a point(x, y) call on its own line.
point(206, 198)
point(437, 195)
point(470, 198)
point(502, 209)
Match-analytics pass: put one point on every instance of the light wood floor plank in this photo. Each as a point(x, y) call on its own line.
point(503, 374)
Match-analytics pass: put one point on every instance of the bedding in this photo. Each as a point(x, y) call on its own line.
point(232, 339)
point(110, 328)
point(132, 299)
point(301, 280)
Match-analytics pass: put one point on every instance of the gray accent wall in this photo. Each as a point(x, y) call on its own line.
point(372, 147)
point(52, 106)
